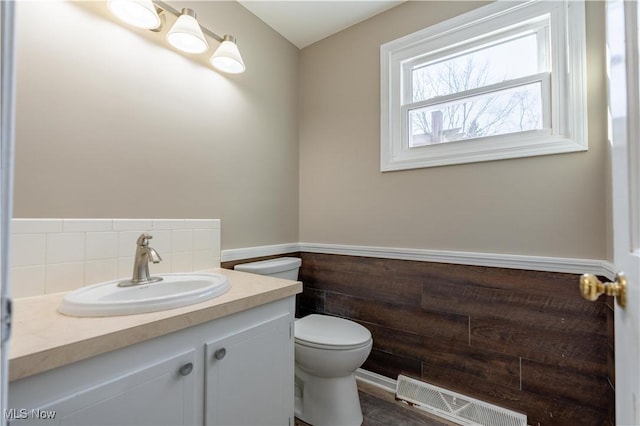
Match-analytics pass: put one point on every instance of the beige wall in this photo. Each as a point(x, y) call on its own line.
point(111, 124)
point(542, 206)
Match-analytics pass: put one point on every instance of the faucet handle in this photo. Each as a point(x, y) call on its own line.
point(143, 239)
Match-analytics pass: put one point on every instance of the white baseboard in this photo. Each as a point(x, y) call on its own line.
point(376, 379)
point(511, 261)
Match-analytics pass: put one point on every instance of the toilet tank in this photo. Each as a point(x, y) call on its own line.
point(281, 267)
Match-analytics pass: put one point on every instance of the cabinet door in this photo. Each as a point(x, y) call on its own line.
point(159, 394)
point(249, 376)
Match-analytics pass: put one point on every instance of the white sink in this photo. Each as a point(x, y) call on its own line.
point(175, 290)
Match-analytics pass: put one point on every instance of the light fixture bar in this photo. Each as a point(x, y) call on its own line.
point(164, 6)
point(185, 34)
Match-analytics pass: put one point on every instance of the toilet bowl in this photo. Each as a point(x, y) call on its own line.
point(328, 350)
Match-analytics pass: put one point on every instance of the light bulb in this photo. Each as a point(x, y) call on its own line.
point(227, 57)
point(139, 13)
point(186, 34)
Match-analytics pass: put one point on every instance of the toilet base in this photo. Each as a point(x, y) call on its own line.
point(322, 401)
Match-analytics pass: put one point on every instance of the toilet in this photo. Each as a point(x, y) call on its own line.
point(328, 350)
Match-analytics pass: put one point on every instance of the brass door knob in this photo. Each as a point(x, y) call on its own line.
point(591, 288)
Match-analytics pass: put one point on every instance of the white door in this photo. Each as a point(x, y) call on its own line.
point(624, 104)
point(7, 113)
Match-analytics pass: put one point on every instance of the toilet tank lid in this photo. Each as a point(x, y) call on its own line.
point(330, 331)
point(270, 266)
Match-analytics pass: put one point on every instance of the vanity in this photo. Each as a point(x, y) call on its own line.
point(225, 361)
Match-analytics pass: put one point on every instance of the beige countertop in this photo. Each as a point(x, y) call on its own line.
point(43, 339)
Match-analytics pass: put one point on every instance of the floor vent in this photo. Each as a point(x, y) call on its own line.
point(454, 406)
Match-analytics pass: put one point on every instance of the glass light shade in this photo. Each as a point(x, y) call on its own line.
point(186, 34)
point(139, 13)
point(227, 57)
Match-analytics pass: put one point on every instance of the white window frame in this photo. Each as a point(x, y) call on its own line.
point(564, 87)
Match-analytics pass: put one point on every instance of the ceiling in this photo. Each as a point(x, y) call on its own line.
point(303, 22)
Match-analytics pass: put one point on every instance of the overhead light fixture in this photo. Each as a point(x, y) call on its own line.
point(186, 34)
point(139, 13)
point(227, 57)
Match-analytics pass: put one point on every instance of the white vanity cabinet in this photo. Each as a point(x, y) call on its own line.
point(247, 376)
point(234, 370)
point(152, 394)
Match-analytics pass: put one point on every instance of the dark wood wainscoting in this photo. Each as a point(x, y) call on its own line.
point(523, 340)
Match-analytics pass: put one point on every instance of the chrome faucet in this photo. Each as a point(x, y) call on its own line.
point(144, 255)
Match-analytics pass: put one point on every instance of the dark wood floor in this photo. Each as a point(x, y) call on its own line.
point(380, 408)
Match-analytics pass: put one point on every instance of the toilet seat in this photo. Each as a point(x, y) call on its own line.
point(330, 347)
point(326, 332)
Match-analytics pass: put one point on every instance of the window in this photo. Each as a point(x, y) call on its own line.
point(504, 81)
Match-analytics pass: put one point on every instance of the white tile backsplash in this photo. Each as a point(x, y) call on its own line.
point(181, 240)
point(55, 255)
point(65, 247)
point(27, 281)
point(204, 259)
point(125, 266)
point(182, 262)
point(61, 277)
point(35, 226)
point(86, 225)
point(203, 239)
point(28, 249)
point(101, 245)
point(132, 224)
point(169, 224)
point(98, 271)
